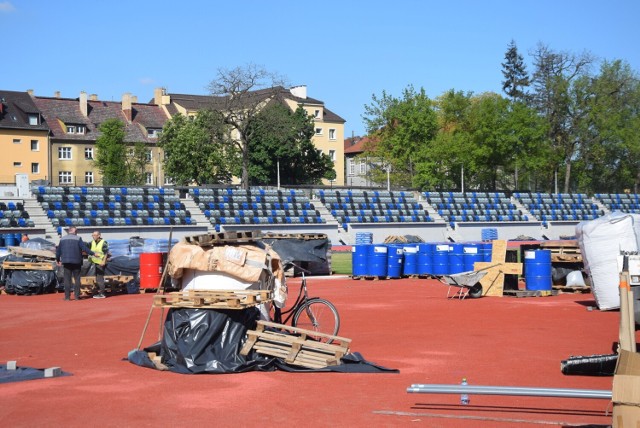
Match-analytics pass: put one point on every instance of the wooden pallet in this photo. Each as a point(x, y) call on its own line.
point(296, 345)
point(212, 299)
point(530, 293)
point(563, 251)
point(571, 289)
point(301, 236)
point(222, 238)
point(28, 265)
point(29, 252)
point(108, 280)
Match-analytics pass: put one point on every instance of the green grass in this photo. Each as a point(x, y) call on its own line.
point(341, 263)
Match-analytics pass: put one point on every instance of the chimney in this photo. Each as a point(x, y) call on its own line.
point(56, 94)
point(30, 92)
point(84, 108)
point(134, 99)
point(160, 96)
point(126, 106)
point(299, 91)
point(93, 97)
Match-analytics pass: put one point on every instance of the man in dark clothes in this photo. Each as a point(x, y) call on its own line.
point(69, 255)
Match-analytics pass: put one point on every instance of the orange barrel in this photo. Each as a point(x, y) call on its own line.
point(150, 270)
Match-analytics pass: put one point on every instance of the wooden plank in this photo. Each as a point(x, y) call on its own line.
point(493, 282)
point(211, 239)
point(28, 265)
point(212, 299)
point(42, 254)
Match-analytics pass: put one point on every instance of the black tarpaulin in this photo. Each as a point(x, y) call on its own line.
point(206, 341)
point(290, 250)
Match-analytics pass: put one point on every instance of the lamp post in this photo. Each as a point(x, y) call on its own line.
point(278, 172)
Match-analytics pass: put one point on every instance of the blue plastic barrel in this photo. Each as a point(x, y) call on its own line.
point(410, 259)
point(425, 259)
point(377, 260)
point(456, 258)
point(487, 248)
point(471, 253)
point(441, 259)
point(10, 240)
point(537, 269)
point(359, 256)
point(395, 259)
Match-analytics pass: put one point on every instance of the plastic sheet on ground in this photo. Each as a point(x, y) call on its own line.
point(28, 282)
point(205, 341)
point(23, 373)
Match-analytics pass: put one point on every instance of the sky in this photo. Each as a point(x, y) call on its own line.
point(344, 51)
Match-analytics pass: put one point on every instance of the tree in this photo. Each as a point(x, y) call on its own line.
point(239, 96)
point(280, 144)
point(119, 163)
point(557, 98)
point(516, 78)
point(402, 128)
point(197, 150)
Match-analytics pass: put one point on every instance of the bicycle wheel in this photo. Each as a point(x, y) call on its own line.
point(318, 315)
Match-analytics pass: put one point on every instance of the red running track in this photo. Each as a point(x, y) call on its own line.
point(406, 324)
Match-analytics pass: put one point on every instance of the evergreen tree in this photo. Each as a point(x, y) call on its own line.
point(514, 70)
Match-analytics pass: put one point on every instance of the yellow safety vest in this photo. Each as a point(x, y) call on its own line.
point(96, 247)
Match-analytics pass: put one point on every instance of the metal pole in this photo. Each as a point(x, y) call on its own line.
point(511, 390)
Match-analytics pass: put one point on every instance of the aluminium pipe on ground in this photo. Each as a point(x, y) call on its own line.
point(510, 390)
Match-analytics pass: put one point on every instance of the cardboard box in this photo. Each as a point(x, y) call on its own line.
point(626, 391)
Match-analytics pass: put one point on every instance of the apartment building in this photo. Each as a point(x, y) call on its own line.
point(24, 138)
point(74, 128)
point(329, 127)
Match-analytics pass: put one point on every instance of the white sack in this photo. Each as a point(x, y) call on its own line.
point(601, 241)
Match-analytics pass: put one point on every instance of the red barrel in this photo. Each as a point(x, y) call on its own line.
point(150, 270)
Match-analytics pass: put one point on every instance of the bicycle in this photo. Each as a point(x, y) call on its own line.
point(310, 313)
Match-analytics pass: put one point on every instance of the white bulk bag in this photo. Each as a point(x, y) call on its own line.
point(601, 241)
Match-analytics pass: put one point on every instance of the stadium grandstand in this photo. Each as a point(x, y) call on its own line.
point(154, 212)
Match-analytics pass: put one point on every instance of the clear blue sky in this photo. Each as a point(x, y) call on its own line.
point(344, 51)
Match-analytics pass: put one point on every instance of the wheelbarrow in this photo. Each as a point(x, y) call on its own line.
point(468, 283)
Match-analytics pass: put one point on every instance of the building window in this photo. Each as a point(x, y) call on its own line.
point(64, 153)
point(148, 156)
point(352, 166)
point(35, 146)
point(332, 134)
point(332, 155)
point(64, 177)
point(363, 167)
point(153, 132)
point(88, 153)
point(88, 177)
point(316, 114)
point(34, 119)
point(17, 141)
point(71, 129)
point(148, 178)
point(168, 181)
point(35, 168)
point(76, 129)
point(318, 131)
point(17, 164)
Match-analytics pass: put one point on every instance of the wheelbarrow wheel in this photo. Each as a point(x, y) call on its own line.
point(475, 291)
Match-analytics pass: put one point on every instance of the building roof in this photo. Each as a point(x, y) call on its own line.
point(199, 102)
point(357, 145)
point(60, 112)
point(15, 108)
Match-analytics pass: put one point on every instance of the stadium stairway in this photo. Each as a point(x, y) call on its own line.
point(39, 217)
point(196, 212)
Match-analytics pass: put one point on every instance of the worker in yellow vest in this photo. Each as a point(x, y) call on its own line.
point(100, 248)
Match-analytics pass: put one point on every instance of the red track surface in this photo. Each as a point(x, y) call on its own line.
point(405, 324)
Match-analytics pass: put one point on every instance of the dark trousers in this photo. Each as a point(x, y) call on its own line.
point(100, 277)
point(71, 271)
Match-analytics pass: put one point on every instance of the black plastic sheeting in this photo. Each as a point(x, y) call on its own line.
point(290, 250)
point(27, 282)
point(39, 244)
point(594, 365)
point(205, 341)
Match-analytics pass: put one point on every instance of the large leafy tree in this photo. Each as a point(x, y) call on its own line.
point(119, 162)
point(239, 96)
point(197, 150)
point(559, 99)
point(280, 146)
point(402, 129)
